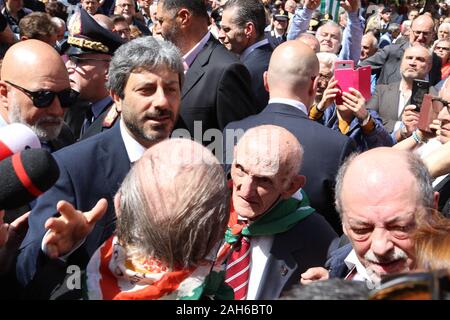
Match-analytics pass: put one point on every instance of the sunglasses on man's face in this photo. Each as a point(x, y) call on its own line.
point(44, 98)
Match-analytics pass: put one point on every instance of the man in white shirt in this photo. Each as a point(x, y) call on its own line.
point(272, 227)
point(145, 83)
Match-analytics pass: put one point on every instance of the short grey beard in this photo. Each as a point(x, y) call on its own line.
point(43, 134)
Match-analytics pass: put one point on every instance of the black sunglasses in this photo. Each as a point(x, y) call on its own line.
point(44, 98)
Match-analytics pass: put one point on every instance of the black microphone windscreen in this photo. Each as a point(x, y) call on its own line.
point(26, 175)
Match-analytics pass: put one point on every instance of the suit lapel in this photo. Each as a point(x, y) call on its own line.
point(196, 70)
point(393, 95)
point(279, 268)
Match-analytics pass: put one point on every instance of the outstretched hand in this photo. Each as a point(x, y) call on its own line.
point(71, 227)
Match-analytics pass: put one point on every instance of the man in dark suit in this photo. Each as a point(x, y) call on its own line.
point(89, 51)
point(381, 194)
point(281, 236)
point(388, 59)
point(217, 87)
point(292, 81)
point(242, 32)
point(392, 101)
point(145, 81)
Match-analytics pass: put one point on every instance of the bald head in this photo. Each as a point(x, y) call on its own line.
point(383, 173)
point(34, 65)
point(173, 205)
point(310, 41)
point(270, 150)
point(29, 55)
point(292, 69)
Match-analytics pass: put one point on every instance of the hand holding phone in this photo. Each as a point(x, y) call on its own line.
point(358, 79)
point(429, 111)
point(419, 89)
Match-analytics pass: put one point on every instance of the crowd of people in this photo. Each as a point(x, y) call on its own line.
point(208, 149)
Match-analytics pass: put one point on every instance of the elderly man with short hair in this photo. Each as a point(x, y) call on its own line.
point(292, 88)
point(271, 227)
point(172, 210)
point(380, 195)
point(145, 79)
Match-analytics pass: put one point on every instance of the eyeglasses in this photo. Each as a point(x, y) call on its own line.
point(442, 48)
point(44, 98)
point(424, 33)
point(439, 104)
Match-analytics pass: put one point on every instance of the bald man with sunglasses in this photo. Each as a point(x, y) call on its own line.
point(35, 91)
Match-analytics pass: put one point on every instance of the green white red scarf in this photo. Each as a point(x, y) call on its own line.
point(282, 217)
point(112, 275)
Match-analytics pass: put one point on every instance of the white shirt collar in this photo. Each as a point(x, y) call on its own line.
point(253, 47)
point(193, 53)
point(295, 103)
point(352, 261)
point(134, 149)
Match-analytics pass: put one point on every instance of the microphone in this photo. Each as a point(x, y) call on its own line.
point(26, 175)
point(15, 138)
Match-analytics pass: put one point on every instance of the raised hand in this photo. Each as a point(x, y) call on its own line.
point(71, 227)
point(350, 5)
point(410, 118)
point(328, 95)
point(312, 4)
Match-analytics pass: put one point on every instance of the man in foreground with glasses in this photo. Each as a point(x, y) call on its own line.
point(87, 61)
point(36, 93)
point(387, 60)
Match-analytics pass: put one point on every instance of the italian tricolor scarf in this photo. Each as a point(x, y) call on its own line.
point(282, 217)
point(112, 275)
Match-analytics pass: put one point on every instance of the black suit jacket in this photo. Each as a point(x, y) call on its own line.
point(324, 151)
point(388, 60)
point(257, 62)
point(292, 253)
point(216, 90)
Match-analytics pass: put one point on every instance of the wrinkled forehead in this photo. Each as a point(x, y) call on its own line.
point(260, 155)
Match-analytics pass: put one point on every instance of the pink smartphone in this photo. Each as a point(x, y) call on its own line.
point(358, 79)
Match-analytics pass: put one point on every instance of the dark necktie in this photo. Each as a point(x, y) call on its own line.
point(88, 119)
